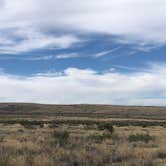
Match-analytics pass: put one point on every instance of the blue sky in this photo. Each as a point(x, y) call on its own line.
point(99, 53)
point(70, 52)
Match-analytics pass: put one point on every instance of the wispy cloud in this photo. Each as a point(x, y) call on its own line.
point(103, 53)
point(53, 57)
point(126, 67)
point(144, 47)
point(42, 57)
point(67, 56)
point(15, 41)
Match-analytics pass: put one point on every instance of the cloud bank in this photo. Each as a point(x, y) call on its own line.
point(88, 86)
point(130, 21)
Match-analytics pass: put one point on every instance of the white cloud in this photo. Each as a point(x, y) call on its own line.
point(136, 20)
point(22, 40)
point(2, 3)
point(87, 86)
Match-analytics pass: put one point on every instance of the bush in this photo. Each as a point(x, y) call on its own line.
point(29, 126)
point(99, 138)
point(140, 137)
point(53, 125)
point(160, 154)
point(61, 137)
point(106, 126)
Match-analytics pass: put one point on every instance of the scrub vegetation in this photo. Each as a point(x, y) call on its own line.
point(30, 137)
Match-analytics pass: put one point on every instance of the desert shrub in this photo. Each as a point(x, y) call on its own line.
point(29, 126)
point(96, 138)
point(61, 137)
point(87, 122)
point(89, 127)
point(116, 137)
point(53, 125)
point(2, 138)
point(20, 130)
point(106, 126)
point(160, 154)
point(144, 125)
point(41, 125)
point(119, 157)
point(140, 137)
point(99, 138)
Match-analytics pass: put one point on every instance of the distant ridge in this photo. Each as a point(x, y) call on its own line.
point(83, 110)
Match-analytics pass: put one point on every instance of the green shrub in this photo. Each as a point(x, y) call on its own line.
point(140, 137)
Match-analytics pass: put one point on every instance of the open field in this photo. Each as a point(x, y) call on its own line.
point(82, 135)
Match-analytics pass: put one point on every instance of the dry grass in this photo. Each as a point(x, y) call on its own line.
point(72, 145)
point(69, 139)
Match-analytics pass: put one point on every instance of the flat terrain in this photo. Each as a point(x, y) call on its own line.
point(82, 135)
point(105, 111)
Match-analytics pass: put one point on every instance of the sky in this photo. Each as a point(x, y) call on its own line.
point(83, 52)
